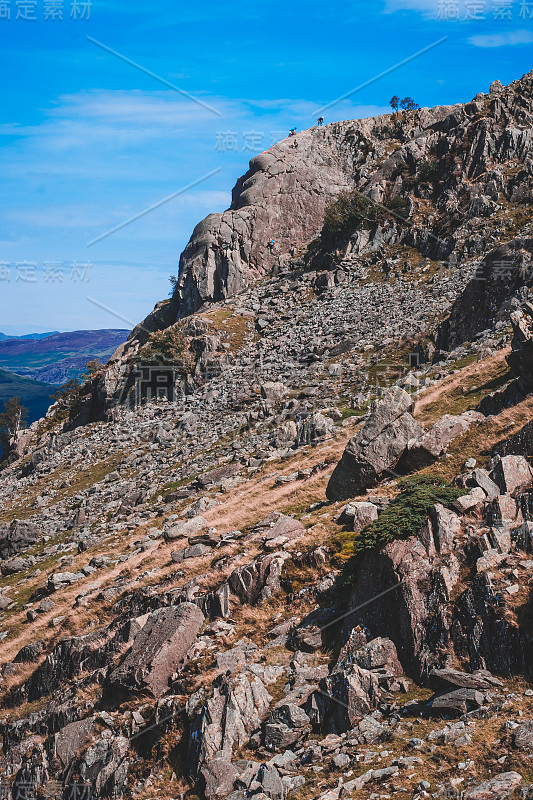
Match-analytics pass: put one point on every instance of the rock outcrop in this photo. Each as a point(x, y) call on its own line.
point(159, 650)
point(376, 450)
point(391, 442)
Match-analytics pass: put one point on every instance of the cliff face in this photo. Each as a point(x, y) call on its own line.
point(283, 197)
point(458, 167)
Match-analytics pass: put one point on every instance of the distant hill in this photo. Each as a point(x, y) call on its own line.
point(58, 357)
point(4, 336)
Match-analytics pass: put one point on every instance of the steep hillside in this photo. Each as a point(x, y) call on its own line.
point(281, 546)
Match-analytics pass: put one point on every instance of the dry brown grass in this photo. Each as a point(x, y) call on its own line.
point(235, 328)
point(463, 389)
point(481, 439)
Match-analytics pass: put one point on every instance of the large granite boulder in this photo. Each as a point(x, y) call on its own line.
point(159, 650)
point(347, 695)
point(236, 708)
point(66, 743)
point(379, 652)
point(259, 580)
point(497, 788)
point(287, 724)
point(512, 474)
point(376, 449)
point(16, 536)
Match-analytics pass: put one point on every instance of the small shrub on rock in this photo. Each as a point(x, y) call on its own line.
point(404, 516)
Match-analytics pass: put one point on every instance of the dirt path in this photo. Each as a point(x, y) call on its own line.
point(434, 393)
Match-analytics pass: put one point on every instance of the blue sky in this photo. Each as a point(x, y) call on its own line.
point(88, 140)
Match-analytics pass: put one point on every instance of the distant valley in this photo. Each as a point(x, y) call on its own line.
point(35, 395)
point(58, 357)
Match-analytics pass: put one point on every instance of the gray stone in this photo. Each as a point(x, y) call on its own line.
point(523, 736)
point(497, 788)
point(363, 514)
point(159, 650)
point(376, 450)
point(379, 652)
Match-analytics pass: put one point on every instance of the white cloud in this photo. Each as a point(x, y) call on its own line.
point(501, 39)
point(428, 6)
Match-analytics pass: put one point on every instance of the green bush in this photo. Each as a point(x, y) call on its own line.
point(400, 205)
point(428, 171)
point(168, 347)
point(406, 515)
point(344, 214)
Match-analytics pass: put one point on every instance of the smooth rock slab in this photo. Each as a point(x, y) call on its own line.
point(433, 443)
point(440, 679)
point(194, 551)
point(159, 650)
point(459, 702)
point(61, 579)
point(497, 788)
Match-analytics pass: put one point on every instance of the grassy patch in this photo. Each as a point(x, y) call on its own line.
point(235, 326)
point(346, 413)
point(465, 362)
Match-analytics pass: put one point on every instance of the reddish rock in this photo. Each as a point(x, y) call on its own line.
point(218, 777)
point(65, 744)
point(435, 442)
point(471, 502)
point(482, 479)
point(512, 474)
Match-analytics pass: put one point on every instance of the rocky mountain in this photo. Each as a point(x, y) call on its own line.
point(281, 545)
point(58, 357)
